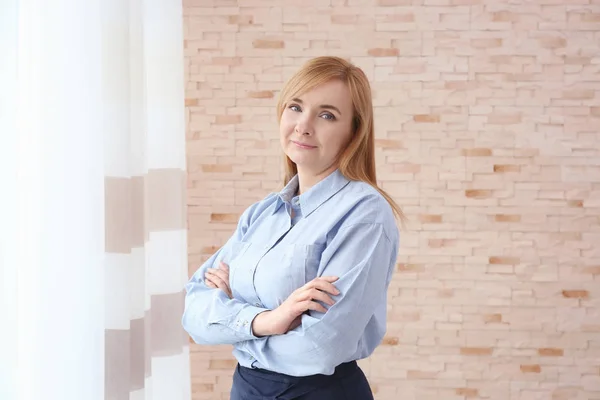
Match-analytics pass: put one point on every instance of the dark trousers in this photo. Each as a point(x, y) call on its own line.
point(347, 383)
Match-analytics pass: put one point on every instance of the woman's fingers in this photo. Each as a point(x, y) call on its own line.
point(215, 278)
point(328, 278)
point(316, 294)
point(319, 289)
point(309, 299)
point(304, 299)
point(220, 279)
point(312, 305)
point(324, 284)
point(308, 296)
point(210, 283)
point(303, 306)
point(223, 275)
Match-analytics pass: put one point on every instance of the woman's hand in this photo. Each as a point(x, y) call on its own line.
point(288, 315)
point(218, 278)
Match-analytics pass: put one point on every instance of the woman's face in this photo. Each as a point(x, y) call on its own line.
point(317, 126)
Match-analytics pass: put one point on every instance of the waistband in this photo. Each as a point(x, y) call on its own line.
point(340, 371)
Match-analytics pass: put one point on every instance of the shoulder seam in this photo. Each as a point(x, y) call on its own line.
point(370, 223)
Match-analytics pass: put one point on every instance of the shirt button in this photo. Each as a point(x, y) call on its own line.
point(257, 304)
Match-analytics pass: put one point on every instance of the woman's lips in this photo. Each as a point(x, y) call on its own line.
point(303, 146)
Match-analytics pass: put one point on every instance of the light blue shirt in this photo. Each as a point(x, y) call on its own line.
point(340, 228)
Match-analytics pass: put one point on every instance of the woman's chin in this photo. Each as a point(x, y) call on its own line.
point(300, 158)
point(302, 162)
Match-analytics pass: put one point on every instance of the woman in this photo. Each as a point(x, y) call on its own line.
point(300, 289)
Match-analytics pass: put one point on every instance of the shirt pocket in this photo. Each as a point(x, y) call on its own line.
point(303, 261)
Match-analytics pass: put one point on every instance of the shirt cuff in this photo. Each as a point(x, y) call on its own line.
point(243, 321)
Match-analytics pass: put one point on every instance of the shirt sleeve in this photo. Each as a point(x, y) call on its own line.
point(363, 257)
point(210, 316)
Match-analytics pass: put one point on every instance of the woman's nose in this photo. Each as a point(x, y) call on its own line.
point(303, 126)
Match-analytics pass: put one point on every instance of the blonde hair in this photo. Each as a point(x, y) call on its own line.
point(357, 161)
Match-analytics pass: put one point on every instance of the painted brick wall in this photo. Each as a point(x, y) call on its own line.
point(488, 134)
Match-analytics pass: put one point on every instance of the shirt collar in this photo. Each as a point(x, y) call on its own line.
point(316, 195)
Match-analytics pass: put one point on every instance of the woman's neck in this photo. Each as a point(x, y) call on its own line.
point(307, 179)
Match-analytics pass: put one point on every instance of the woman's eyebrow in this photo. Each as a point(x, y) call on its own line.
point(325, 106)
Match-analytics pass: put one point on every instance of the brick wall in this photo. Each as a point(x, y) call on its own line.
point(487, 121)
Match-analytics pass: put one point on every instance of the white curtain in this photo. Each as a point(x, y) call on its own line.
point(93, 245)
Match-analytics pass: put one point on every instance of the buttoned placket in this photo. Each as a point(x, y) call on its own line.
point(255, 259)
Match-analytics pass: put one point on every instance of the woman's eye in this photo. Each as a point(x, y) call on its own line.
point(327, 116)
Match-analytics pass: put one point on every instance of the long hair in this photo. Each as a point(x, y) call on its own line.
point(357, 161)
